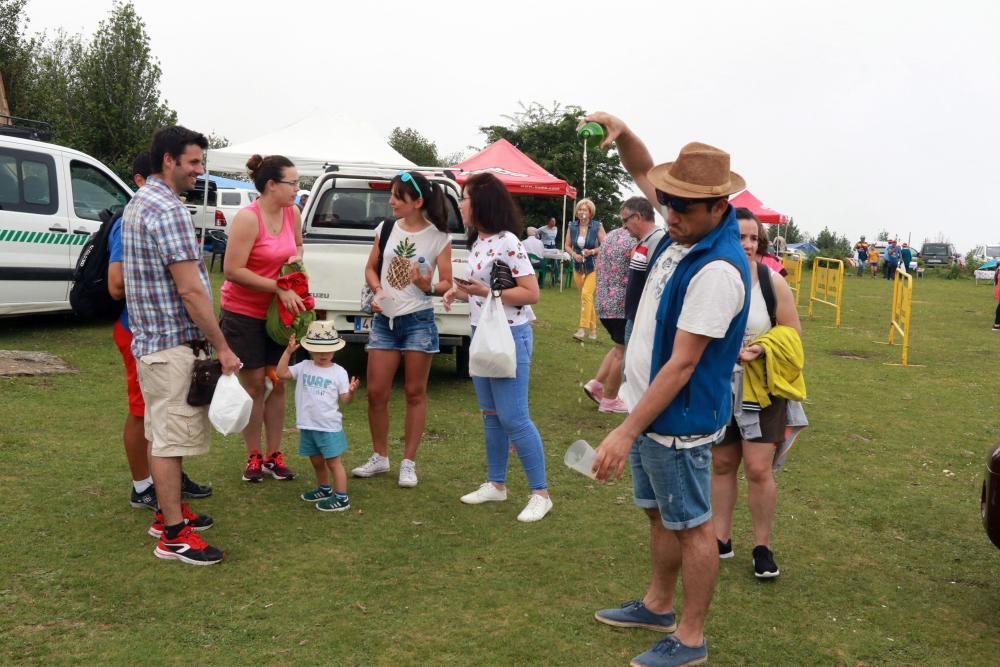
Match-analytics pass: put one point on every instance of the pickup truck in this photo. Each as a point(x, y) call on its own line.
point(204, 217)
point(338, 228)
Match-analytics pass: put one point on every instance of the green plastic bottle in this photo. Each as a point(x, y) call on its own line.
point(591, 130)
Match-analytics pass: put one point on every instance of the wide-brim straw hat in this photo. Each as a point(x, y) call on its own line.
point(699, 172)
point(322, 336)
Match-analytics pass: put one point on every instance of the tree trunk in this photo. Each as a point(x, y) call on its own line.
point(4, 109)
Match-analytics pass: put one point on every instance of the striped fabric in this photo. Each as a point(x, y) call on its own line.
point(157, 231)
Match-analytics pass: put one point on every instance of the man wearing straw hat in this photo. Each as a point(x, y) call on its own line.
point(686, 337)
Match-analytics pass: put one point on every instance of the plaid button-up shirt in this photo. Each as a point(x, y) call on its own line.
point(157, 231)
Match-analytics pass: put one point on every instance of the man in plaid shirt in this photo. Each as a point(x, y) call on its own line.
point(171, 314)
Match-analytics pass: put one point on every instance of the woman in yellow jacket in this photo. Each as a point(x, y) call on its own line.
point(756, 453)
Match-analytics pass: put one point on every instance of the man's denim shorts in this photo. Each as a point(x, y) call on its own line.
point(415, 332)
point(676, 481)
point(329, 444)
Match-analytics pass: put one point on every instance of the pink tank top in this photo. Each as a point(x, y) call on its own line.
point(266, 257)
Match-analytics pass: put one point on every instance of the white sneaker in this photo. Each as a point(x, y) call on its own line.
point(486, 493)
point(408, 473)
point(536, 509)
point(373, 466)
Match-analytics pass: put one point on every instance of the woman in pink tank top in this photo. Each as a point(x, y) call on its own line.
point(262, 237)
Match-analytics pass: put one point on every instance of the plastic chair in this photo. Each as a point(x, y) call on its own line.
point(538, 264)
point(218, 240)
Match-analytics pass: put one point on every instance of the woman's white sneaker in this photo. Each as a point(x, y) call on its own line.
point(375, 465)
point(536, 509)
point(486, 493)
point(407, 473)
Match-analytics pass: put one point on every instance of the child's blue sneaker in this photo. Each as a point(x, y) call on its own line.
point(633, 614)
point(334, 504)
point(670, 652)
point(317, 494)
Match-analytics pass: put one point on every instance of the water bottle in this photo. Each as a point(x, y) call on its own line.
point(423, 266)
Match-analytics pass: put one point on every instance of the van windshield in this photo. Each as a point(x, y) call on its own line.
point(993, 251)
point(935, 249)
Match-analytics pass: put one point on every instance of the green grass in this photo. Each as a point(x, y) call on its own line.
point(883, 556)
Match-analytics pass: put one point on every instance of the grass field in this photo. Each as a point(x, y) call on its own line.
point(882, 552)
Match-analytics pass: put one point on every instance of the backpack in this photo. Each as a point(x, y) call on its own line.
point(89, 296)
point(767, 290)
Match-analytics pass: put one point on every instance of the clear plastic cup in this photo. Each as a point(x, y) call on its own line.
point(580, 457)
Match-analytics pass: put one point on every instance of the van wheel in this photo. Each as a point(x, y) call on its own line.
point(462, 358)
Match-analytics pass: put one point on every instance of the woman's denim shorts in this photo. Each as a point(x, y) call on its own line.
point(415, 332)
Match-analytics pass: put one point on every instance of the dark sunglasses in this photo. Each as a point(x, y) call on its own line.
point(682, 204)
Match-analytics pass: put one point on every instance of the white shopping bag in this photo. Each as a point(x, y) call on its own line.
point(231, 406)
point(492, 353)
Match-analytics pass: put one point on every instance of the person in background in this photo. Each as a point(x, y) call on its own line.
point(582, 243)
point(996, 293)
point(873, 258)
point(756, 451)
point(134, 433)
point(547, 234)
point(907, 256)
point(532, 245)
point(493, 222)
point(612, 285)
point(173, 322)
point(303, 199)
point(262, 237)
point(891, 260)
point(861, 252)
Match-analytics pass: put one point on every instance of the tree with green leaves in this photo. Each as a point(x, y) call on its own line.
point(415, 147)
point(548, 136)
point(120, 90)
point(15, 52)
point(831, 244)
point(789, 231)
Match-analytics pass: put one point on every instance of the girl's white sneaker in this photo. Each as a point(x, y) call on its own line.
point(486, 493)
point(536, 509)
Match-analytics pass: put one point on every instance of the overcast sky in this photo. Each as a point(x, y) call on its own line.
point(860, 116)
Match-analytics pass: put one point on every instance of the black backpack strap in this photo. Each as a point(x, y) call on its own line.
point(383, 241)
point(767, 289)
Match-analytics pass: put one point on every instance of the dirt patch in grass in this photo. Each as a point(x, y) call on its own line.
point(844, 354)
point(14, 363)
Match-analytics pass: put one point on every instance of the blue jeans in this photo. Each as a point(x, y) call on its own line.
point(674, 481)
point(504, 404)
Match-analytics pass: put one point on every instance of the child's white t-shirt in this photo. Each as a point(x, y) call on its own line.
point(317, 396)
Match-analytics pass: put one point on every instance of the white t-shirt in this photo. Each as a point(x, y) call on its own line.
point(758, 321)
point(713, 298)
point(534, 247)
point(399, 295)
point(547, 235)
point(481, 257)
point(317, 396)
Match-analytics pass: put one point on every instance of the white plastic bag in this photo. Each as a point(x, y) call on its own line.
point(492, 353)
point(231, 406)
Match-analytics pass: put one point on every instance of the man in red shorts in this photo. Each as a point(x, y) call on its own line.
point(134, 436)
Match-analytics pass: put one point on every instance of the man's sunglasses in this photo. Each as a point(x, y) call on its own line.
point(682, 204)
point(407, 177)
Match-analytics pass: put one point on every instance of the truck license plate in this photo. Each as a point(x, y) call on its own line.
point(362, 324)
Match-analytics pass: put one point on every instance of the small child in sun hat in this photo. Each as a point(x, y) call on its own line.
point(320, 387)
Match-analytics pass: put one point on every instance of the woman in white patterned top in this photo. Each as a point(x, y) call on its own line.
point(493, 223)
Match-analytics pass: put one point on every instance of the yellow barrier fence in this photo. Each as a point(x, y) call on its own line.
point(902, 298)
point(827, 284)
point(793, 265)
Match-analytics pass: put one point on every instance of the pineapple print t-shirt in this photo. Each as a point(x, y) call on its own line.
point(506, 247)
point(399, 295)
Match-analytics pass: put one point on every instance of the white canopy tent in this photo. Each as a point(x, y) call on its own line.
point(321, 138)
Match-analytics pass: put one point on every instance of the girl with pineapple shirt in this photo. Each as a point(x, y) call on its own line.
point(403, 329)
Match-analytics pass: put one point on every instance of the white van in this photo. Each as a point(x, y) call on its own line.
point(50, 198)
point(231, 200)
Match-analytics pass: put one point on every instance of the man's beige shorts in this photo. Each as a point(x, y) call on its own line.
point(174, 427)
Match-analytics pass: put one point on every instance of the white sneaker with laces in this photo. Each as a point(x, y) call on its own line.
point(536, 509)
point(486, 493)
point(408, 473)
point(373, 466)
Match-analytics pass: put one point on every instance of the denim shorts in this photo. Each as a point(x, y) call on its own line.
point(676, 481)
point(328, 444)
point(415, 332)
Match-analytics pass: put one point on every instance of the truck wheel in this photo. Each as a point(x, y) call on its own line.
point(462, 358)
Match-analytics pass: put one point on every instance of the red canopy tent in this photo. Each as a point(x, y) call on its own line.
point(519, 174)
point(517, 171)
point(768, 216)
